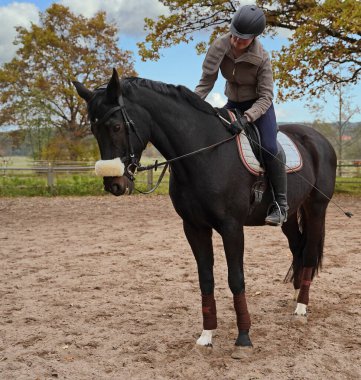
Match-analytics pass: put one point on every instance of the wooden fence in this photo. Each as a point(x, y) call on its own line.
point(346, 169)
point(50, 171)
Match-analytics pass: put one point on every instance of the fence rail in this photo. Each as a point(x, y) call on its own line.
point(50, 172)
point(350, 170)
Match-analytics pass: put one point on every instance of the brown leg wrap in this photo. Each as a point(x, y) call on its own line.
point(209, 312)
point(303, 296)
point(243, 318)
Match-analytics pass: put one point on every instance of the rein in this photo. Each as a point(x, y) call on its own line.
point(134, 165)
point(137, 167)
point(167, 162)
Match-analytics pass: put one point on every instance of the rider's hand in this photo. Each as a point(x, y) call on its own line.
point(237, 126)
point(243, 121)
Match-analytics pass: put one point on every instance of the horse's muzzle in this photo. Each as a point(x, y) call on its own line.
point(118, 185)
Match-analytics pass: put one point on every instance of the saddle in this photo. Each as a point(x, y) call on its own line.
point(249, 145)
point(250, 151)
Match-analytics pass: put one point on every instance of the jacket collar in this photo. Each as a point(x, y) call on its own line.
point(253, 54)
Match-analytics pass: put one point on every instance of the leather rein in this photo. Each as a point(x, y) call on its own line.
point(133, 164)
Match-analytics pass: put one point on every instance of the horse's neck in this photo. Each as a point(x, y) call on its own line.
point(178, 128)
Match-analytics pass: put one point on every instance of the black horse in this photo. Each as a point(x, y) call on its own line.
point(212, 190)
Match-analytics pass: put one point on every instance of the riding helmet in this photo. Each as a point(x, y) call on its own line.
point(248, 21)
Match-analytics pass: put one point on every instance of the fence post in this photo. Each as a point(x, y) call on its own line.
point(150, 179)
point(50, 176)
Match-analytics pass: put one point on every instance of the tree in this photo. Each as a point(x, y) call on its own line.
point(36, 86)
point(326, 34)
point(342, 133)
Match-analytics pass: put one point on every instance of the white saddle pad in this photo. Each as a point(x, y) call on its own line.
point(293, 156)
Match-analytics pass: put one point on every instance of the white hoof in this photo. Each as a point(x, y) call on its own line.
point(297, 292)
point(301, 310)
point(205, 339)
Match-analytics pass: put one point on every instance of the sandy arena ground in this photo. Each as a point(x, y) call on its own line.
point(107, 288)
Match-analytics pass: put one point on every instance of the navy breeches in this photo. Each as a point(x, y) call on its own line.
point(266, 124)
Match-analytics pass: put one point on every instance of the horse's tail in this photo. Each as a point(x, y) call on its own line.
point(295, 270)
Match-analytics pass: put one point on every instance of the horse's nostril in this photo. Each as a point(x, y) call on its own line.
point(115, 188)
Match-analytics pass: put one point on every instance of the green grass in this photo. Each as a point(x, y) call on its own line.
point(348, 185)
point(24, 184)
point(16, 184)
point(80, 184)
point(141, 182)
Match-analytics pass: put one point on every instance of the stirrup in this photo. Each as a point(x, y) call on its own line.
point(277, 216)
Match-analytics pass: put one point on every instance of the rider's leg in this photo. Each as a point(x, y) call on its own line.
point(274, 161)
point(275, 170)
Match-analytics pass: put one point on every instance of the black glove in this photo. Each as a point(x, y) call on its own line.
point(237, 126)
point(243, 122)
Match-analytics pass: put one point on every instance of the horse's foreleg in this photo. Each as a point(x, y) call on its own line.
point(200, 240)
point(233, 242)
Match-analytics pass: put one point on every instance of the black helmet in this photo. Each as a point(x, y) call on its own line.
point(248, 21)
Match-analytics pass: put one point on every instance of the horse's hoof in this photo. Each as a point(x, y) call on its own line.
point(205, 339)
point(300, 313)
point(206, 346)
point(301, 310)
point(241, 352)
point(243, 346)
point(300, 318)
point(204, 350)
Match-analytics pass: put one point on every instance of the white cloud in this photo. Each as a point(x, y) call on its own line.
point(292, 112)
point(281, 114)
point(285, 33)
point(127, 14)
point(216, 99)
point(12, 15)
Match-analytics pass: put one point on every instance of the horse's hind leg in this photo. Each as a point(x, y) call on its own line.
point(293, 229)
point(200, 240)
point(315, 214)
point(306, 239)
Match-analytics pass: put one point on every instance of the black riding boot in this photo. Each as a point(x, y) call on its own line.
point(276, 172)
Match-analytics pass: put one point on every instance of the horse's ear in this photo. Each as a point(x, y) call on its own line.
point(83, 91)
point(113, 88)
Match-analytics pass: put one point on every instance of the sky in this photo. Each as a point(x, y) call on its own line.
point(177, 65)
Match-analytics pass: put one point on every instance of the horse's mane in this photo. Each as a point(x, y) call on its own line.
point(180, 92)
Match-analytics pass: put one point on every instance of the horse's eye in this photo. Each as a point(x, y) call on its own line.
point(116, 128)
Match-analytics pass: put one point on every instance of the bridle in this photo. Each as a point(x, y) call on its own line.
point(132, 162)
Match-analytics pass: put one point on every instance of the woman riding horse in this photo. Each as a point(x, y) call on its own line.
point(249, 88)
point(211, 191)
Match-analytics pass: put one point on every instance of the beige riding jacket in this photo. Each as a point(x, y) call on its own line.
point(247, 77)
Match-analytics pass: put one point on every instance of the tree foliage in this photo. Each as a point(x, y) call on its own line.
point(342, 133)
point(325, 38)
point(36, 87)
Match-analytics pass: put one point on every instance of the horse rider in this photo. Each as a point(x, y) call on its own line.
point(246, 66)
